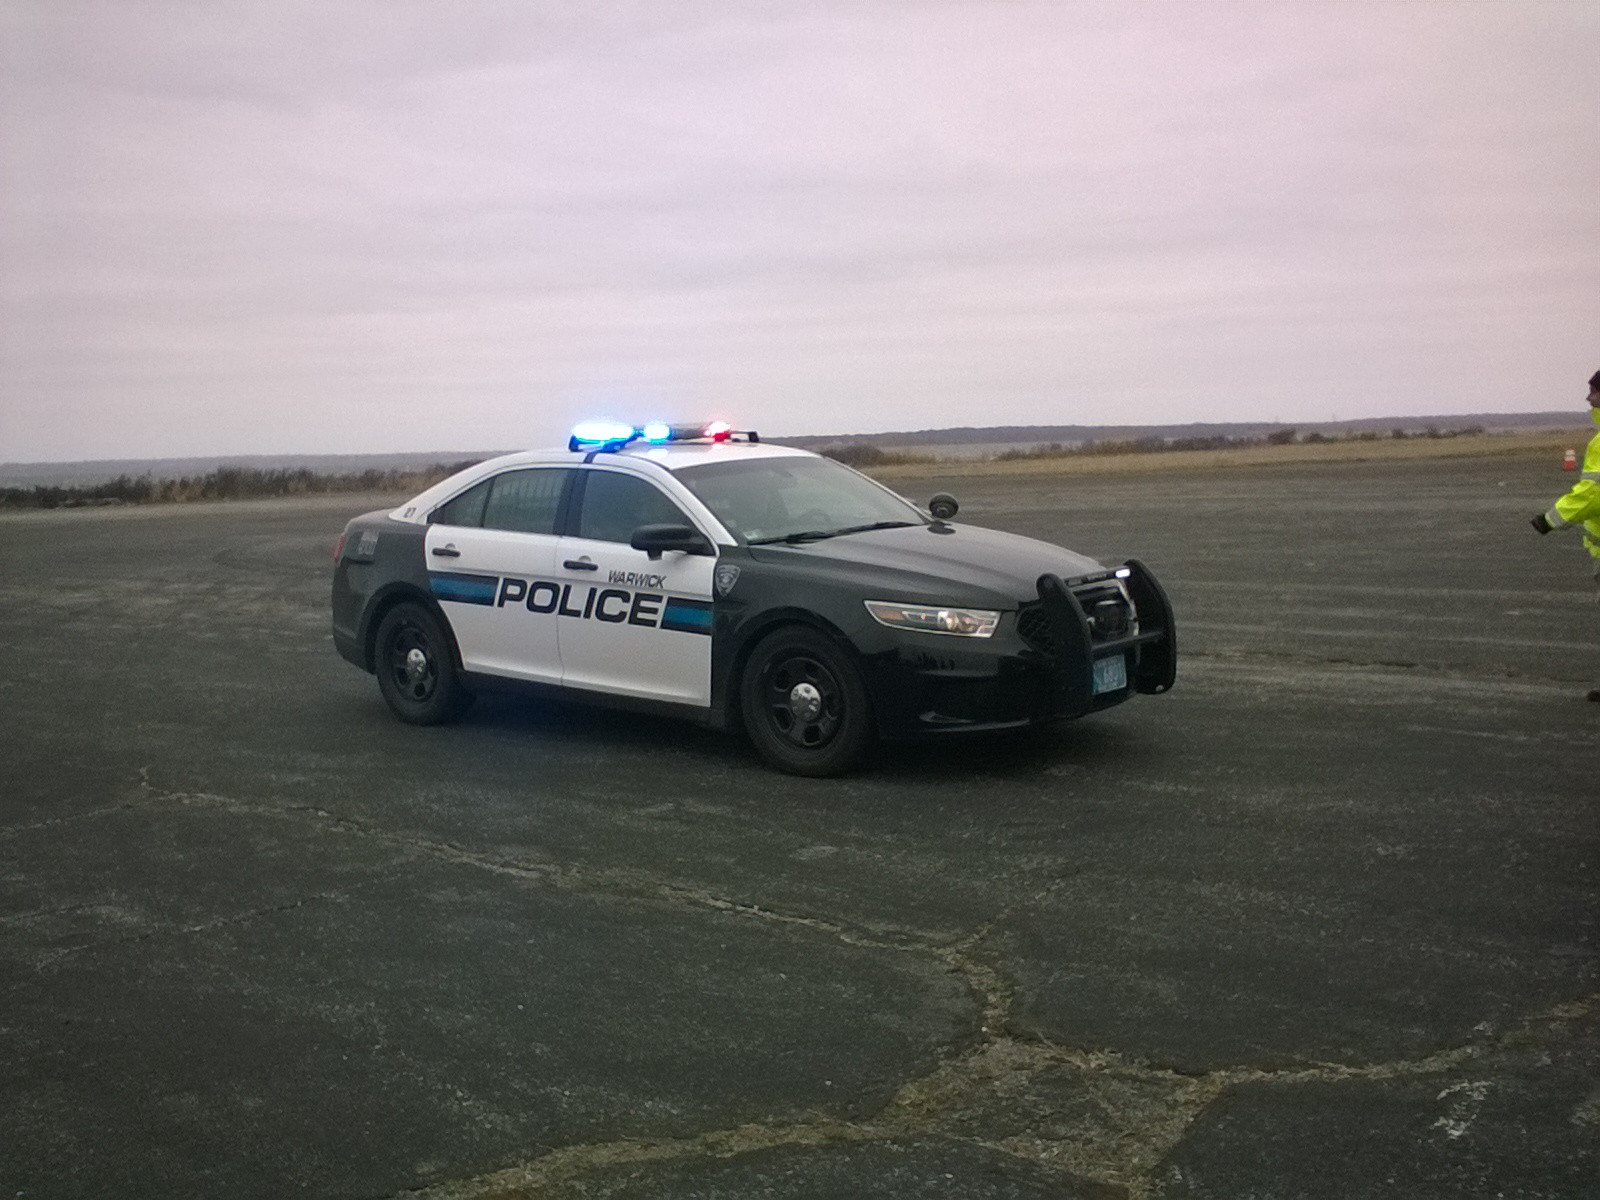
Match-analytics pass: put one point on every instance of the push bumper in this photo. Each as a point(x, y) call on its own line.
point(1051, 661)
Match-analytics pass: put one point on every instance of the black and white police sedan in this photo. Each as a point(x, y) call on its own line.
point(699, 571)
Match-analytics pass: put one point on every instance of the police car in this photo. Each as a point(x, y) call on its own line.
point(700, 571)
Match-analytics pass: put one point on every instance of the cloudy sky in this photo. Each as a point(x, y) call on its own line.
point(377, 225)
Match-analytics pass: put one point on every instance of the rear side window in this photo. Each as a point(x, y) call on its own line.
point(466, 509)
point(525, 501)
point(614, 505)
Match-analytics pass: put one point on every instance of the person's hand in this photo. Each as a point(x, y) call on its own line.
point(1542, 525)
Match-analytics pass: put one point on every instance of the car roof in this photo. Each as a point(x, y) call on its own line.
point(670, 456)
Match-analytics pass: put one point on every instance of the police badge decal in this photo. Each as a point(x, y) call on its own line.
point(727, 575)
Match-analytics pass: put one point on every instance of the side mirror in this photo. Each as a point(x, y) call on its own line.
point(943, 506)
point(656, 540)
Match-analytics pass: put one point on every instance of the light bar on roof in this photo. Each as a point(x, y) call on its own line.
point(613, 435)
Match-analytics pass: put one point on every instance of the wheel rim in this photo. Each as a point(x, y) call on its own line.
point(803, 702)
point(411, 664)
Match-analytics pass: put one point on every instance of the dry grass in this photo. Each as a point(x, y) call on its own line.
point(1485, 445)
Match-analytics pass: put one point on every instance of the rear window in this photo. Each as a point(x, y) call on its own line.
point(525, 501)
point(466, 509)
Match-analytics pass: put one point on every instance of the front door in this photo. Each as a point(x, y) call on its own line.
point(632, 625)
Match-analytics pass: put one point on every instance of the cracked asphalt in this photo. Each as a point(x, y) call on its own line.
point(1321, 922)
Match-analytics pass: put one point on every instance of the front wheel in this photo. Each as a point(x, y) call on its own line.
point(805, 706)
point(416, 672)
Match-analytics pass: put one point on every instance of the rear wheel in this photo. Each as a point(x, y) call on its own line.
point(416, 671)
point(805, 706)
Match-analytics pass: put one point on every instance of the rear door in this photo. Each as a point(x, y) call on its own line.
point(632, 625)
point(491, 555)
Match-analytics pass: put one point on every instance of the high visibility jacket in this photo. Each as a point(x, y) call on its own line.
point(1581, 506)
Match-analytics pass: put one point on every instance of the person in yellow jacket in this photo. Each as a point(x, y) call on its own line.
point(1581, 506)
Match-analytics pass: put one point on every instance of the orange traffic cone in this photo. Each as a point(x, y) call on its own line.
point(1570, 462)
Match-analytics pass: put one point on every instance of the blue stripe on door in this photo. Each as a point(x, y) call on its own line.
point(464, 589)
point(687, 616)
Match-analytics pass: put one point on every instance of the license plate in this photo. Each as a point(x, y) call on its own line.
point(1110, 674)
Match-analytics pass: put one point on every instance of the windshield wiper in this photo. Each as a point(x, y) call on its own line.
point(793, 539)
point(816, 535)
point(876, 525)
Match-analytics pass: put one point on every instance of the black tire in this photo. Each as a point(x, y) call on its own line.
point(416, 667)
point(804, 704)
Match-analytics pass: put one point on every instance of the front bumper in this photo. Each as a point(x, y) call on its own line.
point(1040, 666)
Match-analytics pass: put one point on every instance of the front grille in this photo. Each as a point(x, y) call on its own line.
point(1107, 609)
point(1034, 627)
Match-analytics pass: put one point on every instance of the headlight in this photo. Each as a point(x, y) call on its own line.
point(963, 622)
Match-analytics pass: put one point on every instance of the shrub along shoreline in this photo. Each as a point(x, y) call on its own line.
point(226, 483)
point(865, 454)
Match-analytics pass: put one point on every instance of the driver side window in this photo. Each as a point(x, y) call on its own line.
point(614, 505)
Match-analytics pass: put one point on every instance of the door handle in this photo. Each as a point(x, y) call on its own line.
point(581, 564)
point(446, 552)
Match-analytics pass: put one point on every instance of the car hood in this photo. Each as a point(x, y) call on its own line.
point(956, 561)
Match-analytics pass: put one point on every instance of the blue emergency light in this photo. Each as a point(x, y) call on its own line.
point(608, 434)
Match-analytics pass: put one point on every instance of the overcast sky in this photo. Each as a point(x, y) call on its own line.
point(374, 225)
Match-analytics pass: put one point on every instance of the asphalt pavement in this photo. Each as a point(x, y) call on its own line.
point(1319, 922)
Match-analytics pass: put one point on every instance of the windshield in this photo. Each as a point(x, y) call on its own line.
point(794, 499)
